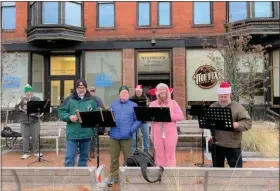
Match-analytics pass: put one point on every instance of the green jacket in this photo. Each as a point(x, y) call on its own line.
point(69, 107)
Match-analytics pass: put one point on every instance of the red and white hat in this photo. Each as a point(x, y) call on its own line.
point(224, 88)
point(139, 87)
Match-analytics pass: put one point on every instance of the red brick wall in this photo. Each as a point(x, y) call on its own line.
point(128, 71)
point(126, 23)
point(19, 34)
point(179, 76)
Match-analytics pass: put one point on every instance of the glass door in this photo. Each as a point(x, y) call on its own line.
point(60, 90)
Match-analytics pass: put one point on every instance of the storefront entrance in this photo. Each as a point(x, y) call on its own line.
point(153, 67)
point(63, 72)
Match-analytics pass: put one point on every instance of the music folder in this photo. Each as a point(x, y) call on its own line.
point(139, 102)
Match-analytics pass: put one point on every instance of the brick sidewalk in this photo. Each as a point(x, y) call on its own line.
point(184, 159)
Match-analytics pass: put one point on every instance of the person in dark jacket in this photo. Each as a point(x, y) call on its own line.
point(121, 135)
point(101, 105)
point(29, 124)
point(76, 135)
point(139, 94)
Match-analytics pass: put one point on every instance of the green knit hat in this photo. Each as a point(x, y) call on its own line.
point(123, 88)
point(27, 88)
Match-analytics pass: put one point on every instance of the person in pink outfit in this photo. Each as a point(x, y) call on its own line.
point(165, 137)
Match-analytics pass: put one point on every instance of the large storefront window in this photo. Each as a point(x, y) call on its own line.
point(103, 71)
point(202, 76)
point(15, 77)
point(38, 75)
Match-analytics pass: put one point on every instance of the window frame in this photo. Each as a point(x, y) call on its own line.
point(2, 16)
point(97, 14)
point(247, 8)
point(170, 15)
point(211, 13)
point(61, 13)
point(150, 14)
point(254, 9)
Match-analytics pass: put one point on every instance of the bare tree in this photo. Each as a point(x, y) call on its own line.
point(241, 63)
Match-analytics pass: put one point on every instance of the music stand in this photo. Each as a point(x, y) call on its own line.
point(153, 114)
point(96, 119)
point(38, 107)
point(140, 102)
point(199, 110)
point(216, 118)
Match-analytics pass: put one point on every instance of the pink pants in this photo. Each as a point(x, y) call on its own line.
point(165, 148)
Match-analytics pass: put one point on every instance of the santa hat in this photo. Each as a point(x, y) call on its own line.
point(224, 88)
point(152, 92)
point(139, 87)
point(163, 85)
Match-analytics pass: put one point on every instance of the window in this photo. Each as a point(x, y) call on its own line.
point(53, 12)
point(8, 15)
point(50, 13)
point(237, 11)
point(70, 18)
point(106, 15)
point(144, 13)
point(263, 9)
point(164, 13)
point(103, 70)
point(202, 13)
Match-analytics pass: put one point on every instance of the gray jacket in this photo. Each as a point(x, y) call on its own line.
point(22, 106)
point(240, 115)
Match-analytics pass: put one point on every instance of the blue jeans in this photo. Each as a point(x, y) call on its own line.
point(146, 140)
point(71, 151)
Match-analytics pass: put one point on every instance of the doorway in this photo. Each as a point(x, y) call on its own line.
point(63, 72)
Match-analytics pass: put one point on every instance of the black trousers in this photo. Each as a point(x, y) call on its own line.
point(233, 156)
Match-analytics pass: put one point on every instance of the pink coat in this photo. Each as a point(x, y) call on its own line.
point(165, 148)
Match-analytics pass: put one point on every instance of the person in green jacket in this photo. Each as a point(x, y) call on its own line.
point(76, 135)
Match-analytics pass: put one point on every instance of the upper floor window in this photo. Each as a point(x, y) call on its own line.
point(54, 12)
point(202, 13)
point(144, 13)
point(263, 9)
point(164, 13)
point(238, 11)
point(106, 14)
point(8, 15)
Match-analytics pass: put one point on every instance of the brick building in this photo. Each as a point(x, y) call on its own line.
point(130, 43)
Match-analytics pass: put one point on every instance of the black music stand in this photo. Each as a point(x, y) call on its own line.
point(153, 114)
point(199, 111)
point(140, 102)
point(216, 118)
point(38, 107)
point(96, 119)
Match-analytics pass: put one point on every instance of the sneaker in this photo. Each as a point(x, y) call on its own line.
point(25, 156)
point(37, 154)
point(112, 181)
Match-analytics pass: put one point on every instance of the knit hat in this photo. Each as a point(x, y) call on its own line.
point(139, 87)
point(123, 88)
point(224, 88)
point(27, 88)
point(81, 82)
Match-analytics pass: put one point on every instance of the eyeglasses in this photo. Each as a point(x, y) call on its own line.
point(92, 90)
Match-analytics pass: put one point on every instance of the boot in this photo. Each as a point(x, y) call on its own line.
point(92, 154)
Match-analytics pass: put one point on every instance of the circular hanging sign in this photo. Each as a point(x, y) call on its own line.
point(206, 77)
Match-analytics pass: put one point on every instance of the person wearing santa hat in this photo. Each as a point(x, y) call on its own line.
point(139, 94)
point(228, 144)
point(164, 136)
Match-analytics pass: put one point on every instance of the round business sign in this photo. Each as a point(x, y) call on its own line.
point(206, 77)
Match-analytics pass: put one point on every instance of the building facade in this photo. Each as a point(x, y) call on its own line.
point(51, 44)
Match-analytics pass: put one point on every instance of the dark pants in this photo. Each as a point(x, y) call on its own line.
point(71, 151)
point(233, 156)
